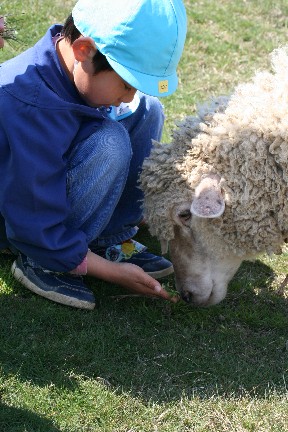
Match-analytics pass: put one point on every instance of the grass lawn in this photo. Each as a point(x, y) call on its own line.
point(142, 365)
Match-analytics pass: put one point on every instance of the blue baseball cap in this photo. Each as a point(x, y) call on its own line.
point(142, 40)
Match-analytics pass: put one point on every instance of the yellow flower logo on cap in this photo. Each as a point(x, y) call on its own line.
point(163, 86)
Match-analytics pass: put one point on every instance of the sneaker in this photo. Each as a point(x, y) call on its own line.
point(61, 288)
point(131, 251)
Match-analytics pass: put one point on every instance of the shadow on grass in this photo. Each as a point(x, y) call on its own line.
point(23, 420)
point(150, 348)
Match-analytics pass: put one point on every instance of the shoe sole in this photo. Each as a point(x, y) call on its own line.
point(161, 273)
point(50, 295)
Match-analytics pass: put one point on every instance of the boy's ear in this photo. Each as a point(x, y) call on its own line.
point(84, 48)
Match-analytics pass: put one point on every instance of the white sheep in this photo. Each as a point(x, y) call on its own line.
point(218, 194)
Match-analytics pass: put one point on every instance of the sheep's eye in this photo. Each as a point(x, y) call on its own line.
point(185, 215)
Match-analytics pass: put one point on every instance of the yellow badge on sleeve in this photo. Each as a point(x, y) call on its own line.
point(163, 86)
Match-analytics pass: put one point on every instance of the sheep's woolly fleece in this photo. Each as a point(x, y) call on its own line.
point(244, 139)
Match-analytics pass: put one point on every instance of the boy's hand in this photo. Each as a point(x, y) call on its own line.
point(136, 280)
point(127, 275)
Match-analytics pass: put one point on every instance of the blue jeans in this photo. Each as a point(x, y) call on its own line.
point(102, 181)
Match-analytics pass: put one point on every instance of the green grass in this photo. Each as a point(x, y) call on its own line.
point(137, 364)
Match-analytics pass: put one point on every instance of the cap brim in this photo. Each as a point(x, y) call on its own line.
point(148, 84)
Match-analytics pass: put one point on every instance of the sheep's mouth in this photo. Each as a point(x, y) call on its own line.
point(196, 300)
point(195, 296)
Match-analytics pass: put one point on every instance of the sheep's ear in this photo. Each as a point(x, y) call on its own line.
point(208, 201)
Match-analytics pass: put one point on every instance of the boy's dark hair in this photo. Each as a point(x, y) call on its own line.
point(71, 33)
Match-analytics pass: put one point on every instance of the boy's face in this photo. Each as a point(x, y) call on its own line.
point(103, 89)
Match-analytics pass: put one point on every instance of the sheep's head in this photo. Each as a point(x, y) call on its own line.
point(181, 206)
point(203, 265)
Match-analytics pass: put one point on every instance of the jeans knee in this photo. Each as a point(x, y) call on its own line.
point(115, 144)
point(110, 143)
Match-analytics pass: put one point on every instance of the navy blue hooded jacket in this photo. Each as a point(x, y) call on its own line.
point(41, 116)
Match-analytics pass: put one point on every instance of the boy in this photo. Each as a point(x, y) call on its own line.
point(73, 137)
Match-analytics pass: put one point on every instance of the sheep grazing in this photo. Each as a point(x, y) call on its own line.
point(218, 194)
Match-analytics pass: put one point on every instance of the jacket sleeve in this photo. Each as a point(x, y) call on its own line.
point(33, 200)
